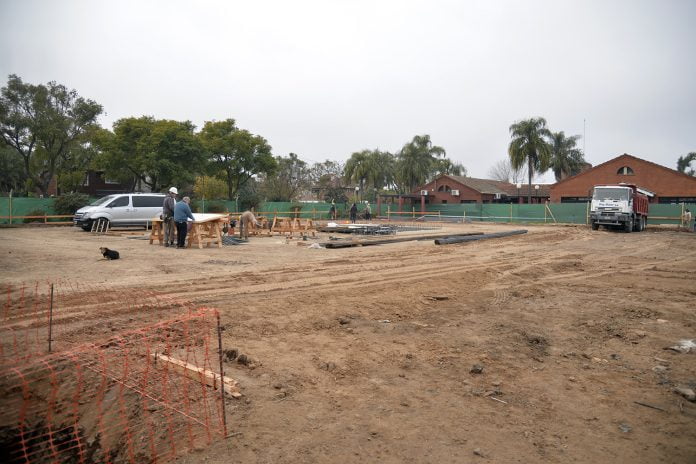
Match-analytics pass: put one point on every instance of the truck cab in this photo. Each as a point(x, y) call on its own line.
point(623, 205)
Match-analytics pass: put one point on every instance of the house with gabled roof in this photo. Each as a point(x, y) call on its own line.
point(668, 185)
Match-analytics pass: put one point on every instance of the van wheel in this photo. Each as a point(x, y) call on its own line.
point(87, 226)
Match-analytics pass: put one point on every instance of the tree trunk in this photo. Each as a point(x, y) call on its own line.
point(529, 192)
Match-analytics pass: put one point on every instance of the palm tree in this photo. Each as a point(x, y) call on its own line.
point(370, 168)
point(566, 159)
point(417, 162)
point(358, 168)
point(529, 146)
point(684, 162)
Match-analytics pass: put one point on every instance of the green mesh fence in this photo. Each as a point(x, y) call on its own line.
point(567, 213)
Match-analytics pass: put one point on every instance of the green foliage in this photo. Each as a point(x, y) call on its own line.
point(291, 179)
point(158, 152)
point(34, 212)
point(69, 203)
point(420, 161)
point(529, 146)
point(566, 159)
point(11, 170)
point(371, 169)
point(249, 196)
point(237, 153)
point(684, 164)
point(205, 206)
point(210, 188)
point(45, 125)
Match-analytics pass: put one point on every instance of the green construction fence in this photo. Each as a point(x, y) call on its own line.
point(566, 213)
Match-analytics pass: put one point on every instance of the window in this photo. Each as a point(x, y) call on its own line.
point(147, 201)
point(574, 199)
point(444, 202)
point(444, 188)
point(120, 201)
point(467, 201)
point(625, 171)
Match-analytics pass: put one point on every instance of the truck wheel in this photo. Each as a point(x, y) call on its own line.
point(595, 226)
point(628, 227)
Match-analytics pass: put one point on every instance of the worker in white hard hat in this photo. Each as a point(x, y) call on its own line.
point(168, 216)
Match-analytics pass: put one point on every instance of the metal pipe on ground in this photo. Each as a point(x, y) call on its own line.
point(357, 243)
point(450, 240)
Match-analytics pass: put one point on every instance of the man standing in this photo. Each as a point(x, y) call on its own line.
point(182, 212)
point(168, 216)
point(686, 220)
point(353, 213)
point(368, 211)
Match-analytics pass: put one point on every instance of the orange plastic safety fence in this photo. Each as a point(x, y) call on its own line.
point(80, 312)
point(127, 400)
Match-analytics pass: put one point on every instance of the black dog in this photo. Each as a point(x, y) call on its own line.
point(108, 254)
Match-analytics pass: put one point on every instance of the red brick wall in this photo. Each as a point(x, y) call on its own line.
point(663, 181)
point(435, 197)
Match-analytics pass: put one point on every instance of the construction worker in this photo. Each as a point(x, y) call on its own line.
point(686, 220)
point(247, 220)
point(168, 216)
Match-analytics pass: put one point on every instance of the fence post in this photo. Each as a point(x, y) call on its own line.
point(222, 376)
point(681, 217)
point(10, 207)
point(50, 320)
point(388, 212)
point(510, 213)
point(413, 210)
point(587, 213)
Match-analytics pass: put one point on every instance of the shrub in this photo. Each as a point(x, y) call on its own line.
point(69, 203)
point(34, 212)
point(215, 207)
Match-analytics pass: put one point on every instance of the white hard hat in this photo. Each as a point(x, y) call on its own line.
point(174, 191)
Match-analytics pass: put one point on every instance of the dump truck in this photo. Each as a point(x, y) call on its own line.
point(622, 205)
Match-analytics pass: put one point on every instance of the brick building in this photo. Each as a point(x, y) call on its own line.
point(448, 189)
point(668, 185)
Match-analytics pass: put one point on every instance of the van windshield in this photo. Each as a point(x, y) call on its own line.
point(102, 200)
point(610, 193)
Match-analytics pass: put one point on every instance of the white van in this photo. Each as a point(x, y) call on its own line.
point(125, 209)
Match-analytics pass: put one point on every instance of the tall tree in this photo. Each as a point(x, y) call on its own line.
point(684, 164)
point(371, 169)
point(566, 159)
point(417, 162)
point(503, 171)
point(11, 170)
point(327, 180)
point(529, 146)
point(236, 153)
point(289, 181)
point(42, 123)
point(447, 166)
point(157, 152)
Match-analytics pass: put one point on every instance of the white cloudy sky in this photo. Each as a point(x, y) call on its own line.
point(326, 78)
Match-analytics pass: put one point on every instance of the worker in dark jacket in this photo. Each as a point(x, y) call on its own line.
point(353, 213)
point(182, 213)
point(168, 216)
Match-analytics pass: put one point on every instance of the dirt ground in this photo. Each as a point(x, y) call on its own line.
point(366, 354)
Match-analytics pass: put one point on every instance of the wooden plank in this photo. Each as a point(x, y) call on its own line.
point(210, 378)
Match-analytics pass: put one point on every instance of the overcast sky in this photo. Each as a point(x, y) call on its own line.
point(327, 78)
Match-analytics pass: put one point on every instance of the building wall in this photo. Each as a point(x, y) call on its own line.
point(466, 194)
point(664, 182)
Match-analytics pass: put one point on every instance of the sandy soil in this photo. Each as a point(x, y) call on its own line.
point(365, 354)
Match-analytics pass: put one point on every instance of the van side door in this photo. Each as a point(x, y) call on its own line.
point(120, 210)
point(147, 207)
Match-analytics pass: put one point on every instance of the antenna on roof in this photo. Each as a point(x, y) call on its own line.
point(584, 138)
